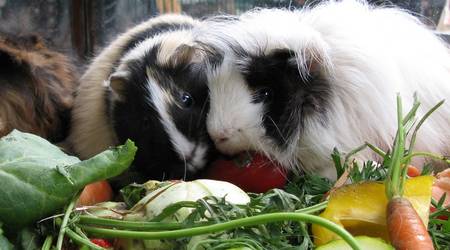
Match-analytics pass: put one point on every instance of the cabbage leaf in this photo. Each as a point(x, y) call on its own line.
point(37, 178)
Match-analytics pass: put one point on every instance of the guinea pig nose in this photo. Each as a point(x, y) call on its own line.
point(222, 139)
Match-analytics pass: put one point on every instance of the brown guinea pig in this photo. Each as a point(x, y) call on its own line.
point(36, 87)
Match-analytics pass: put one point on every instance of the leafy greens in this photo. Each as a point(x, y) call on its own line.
point(38, 178)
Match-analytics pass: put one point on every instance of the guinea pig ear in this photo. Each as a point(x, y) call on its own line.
point(116, 83)
point(184, 54)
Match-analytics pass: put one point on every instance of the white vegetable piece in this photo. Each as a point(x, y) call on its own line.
point(157, 200)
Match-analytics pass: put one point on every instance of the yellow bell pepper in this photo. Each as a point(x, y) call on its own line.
point(361, 208)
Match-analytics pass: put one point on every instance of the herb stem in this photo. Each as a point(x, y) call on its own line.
point(394, 183)
point(134, 225)
point(47, 243)
point(376, 149)
point(243, 222)
point(416, 129)
point(64, 223)
point(313, 209)
point(82, 241)
point(407, 158)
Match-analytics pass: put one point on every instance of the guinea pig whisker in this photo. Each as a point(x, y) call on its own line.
point(278, 130)
point(185, 168)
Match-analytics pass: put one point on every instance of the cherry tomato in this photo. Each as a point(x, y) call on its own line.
point(252, 173)
point(413, 171)
point(95, 193)
point(101, 243)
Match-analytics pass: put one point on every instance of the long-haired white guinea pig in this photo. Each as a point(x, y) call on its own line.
point(148, 85)
point(296, 84)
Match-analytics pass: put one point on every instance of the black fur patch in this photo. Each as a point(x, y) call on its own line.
point(292, 99)
point(153, 31)
point(136, 118)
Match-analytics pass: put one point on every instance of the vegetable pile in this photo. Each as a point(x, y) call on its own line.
point(372, 206)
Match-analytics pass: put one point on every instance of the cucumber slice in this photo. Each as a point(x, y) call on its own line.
point(367, 243)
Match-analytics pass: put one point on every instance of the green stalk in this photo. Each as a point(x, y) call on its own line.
point(412, 113)
point(408, 158)
point(413, 137)
point(376, 149)
point(80, 233)
point(134, 225)
point(64, 223)
point(353, 152)
point(82, 241)
point(47, 243)
point(172, 209)
point(393, 182)
point(243, 222)
point(313, 209)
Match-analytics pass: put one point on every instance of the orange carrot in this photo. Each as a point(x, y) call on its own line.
point(406, 229)
point(95, 193)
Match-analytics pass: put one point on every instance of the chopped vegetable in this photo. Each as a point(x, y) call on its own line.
point(271, 220)
point(156, 201)
point(253, 173)
point(42, 179)
point(101, 242)
point(367, 243)
point(94, 193)
point(413, 171)
point(361, 208)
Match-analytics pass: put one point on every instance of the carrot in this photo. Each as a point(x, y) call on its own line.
point(406, 229)
point(94, 193)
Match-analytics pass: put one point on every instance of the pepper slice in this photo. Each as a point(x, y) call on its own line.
point(361, 208)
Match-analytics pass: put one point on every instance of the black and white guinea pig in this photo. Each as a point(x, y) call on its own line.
point(296, 84)
point(149, 86)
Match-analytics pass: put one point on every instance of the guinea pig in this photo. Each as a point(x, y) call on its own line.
point(149, 86)
point(296, 84)
point(37, 87)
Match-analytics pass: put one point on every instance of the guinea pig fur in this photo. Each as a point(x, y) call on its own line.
point(37, 87)
point(148, 85)
point(296, 84)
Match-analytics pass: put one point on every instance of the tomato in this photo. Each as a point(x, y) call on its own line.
point(252, 173)
point(95, 193)
point(413, 171)
point(101, 243)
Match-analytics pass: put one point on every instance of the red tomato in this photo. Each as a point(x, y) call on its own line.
point(413, 171)
point(252, 173)
point(101, 243)
point(95, 193)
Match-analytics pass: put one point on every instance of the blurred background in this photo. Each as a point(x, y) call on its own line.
point(82, 27)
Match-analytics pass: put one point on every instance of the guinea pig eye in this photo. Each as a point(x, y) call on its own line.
point(186, 100)
point(263, 95)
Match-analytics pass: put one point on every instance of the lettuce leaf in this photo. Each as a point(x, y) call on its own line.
point(37, 178)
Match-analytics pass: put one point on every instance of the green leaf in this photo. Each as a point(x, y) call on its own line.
point(38, 178)
point(4, 242)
